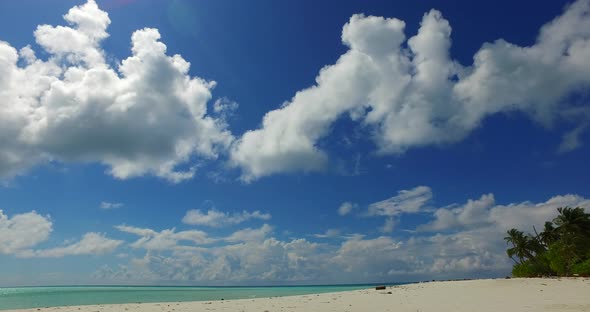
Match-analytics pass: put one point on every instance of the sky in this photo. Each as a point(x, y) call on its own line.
point(272, 143)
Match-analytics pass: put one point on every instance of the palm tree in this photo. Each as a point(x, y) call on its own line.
point(518, 249)
point(563, 247)
point(549, 234)
point(572, 221)
point(573, 227)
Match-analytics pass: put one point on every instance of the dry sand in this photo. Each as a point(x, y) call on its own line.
point(475, 295)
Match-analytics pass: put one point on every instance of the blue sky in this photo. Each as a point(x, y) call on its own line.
point(367, 141)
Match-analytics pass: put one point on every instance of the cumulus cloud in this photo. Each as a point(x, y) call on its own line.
point(90, 244)
point(21, 234)
point(146, 115)
point(247, 255)
point(462, 240)
point(358, 253)
point(411, 93)
point(164, 240)
point(485, 212)
point(108, 205)
point(472, 213)
point(476, 252)
point(250, 234)
point(468, 237)
point(216, 218)
point(23, 231)
point(265, 262)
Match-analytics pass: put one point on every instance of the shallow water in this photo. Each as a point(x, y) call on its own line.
point(36, 297)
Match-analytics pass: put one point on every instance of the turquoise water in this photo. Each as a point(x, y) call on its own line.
point(36, 297)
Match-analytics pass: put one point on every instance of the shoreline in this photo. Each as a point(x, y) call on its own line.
point(516, 294)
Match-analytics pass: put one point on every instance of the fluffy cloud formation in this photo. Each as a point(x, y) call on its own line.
point(23, 231)
point(460, 240)
point(484, 212)
point(266, 259)
point(20, 235)
point(216, 218)
point(249, 262)
point(357, 254)
point(247, 255)
point(411, 93)
point(147, 116)
point(165, 239)
point(90, 244)
point(244, 255)
point(250, 234)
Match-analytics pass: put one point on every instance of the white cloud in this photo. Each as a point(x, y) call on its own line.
point(250, 234)
point(477, 252)
point(466, 242)
point(247, 255)
point(259, 258)
point(471, 214)
point(166, 239)
point(147, 116)
point(288, 138)
point(23, 231)
point(462, 254)
point(90, 244)
point(366, 259)
point(406, 201)
point(108, 205)
point(418, 95)
point(216, 218)
point(346, 208)
point(225, 108)
point(136, 230)
point(484, 212)
point(20, 235)
point(249, 262)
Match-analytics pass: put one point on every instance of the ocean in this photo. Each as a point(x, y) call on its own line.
point(38, 297)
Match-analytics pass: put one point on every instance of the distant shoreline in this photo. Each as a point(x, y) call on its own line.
point(516, 294)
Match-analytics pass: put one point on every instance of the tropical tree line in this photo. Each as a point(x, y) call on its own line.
point(561, 249)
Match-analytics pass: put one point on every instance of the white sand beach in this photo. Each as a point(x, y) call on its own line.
point(564, 294)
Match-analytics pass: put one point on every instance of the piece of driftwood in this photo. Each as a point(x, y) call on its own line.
point(380, 288)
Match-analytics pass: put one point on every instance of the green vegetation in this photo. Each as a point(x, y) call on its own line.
point(562, 248)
